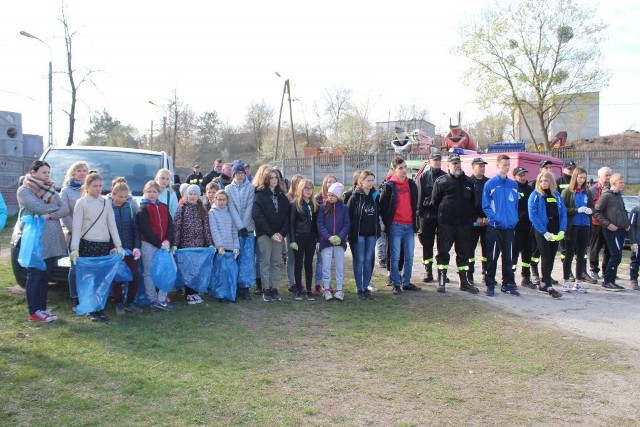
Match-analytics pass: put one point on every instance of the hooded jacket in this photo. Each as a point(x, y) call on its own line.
point(610, 210)
point(356, 206)
point(241, 197)
point(389, 201)
point(335, 224)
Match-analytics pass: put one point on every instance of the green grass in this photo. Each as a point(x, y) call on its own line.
point(411, 360)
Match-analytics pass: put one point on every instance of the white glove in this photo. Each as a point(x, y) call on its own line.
point(121, 252)
point(236, 252)
point(165, 245)
point(548, 236)
point(634, 248)
point(588, 211)
point(220, 250)
point(73, 256)
point(582, 209)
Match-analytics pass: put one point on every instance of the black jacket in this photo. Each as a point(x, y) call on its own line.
point(355, 205)
point(425, 188)
point(563, 182)
point(389, 202)
point(524, 191)
point(301, 222)
point(265, 217)
point(208, 178)
point(610, 210)
point(454, 198)
point(478, 187)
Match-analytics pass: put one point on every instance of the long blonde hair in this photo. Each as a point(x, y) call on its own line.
point(550, 178)
point(293, 185)
point(299, 198)
point(258, 178)
point(72, 170)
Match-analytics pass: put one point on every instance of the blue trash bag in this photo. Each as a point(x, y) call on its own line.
point(163, 270)
point(93, 277)
point(246, 262)
point(30, 255)
point(123, 273)
point(141, 297)
point(194, 267)
point(224, 277)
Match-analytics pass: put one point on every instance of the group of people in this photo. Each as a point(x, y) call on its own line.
point(513, 217)
point(286, 220)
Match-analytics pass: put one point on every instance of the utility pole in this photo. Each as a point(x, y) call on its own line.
point(285, 90)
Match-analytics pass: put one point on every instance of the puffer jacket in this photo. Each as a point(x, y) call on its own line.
point(241, 197)
point(223, 230)
point(336, 224)
point(70, 195)
point(127, 223)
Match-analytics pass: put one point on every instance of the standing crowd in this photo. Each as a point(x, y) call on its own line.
point(261, 219)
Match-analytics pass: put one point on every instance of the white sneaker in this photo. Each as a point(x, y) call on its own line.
point(579, 287)
point(327, 295)
point(566, 287)
point(191, 300)
point(339, 295)
point(372, 288)
point(197, 299)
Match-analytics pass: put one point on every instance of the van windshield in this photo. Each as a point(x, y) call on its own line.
point(137, 168)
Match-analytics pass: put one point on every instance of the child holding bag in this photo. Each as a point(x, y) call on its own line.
point(167, 195)
point(127, 222)
point(225, 234)
point(192, 230)
point(94, 228)
point(333, 229)
point(156, 233)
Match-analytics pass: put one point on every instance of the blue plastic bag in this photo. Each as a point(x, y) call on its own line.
point(93, 277)
point(224, 276)
point(123, 273)
point(194, 267)
point(30, 255)
point(163, 270)
point(246, 262)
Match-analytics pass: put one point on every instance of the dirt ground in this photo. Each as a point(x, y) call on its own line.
point(600, 314)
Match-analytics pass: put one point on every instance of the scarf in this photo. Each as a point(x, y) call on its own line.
point(44, 190)
point(74, 183)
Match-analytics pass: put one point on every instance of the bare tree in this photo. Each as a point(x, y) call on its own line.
point(259, 121)
point(74, 84)
point(337, 104)
point(535, 56)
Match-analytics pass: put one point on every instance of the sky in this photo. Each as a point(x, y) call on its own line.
point(223, 56)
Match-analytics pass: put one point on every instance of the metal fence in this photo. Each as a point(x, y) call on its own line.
point(626, 162)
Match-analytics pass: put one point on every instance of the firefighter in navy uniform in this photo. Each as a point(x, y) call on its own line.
point(522, 241)
point(427, 213)
point(480, 226)
point(454, 199)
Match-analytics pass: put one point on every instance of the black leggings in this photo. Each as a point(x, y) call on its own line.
point(547, 255)
point(577, 244)
point(303, 257)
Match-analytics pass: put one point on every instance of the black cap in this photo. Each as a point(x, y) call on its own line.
point(436, 155)
point(569, 164)
point(454, 158)
point(519, 170)
point(544, 163)
point(478, 161)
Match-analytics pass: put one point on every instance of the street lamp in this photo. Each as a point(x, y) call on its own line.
point(24, 33)
point(285, 90)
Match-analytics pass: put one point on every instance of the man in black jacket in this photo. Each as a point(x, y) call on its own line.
point(480, 227)
point(522, 239)
point(216, 170)
point(398, 201)
point(427, 213)
point(453, 197)
point(196, 177)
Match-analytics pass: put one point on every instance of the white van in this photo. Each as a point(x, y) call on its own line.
point(137, 166)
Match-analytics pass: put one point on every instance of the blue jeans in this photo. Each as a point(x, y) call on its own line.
point(73, 288)
point(615, 241)
point(363, 261)
point(37, 286)
point(401, 235)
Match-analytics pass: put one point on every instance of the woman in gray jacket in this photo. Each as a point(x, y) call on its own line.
point(37, 196)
